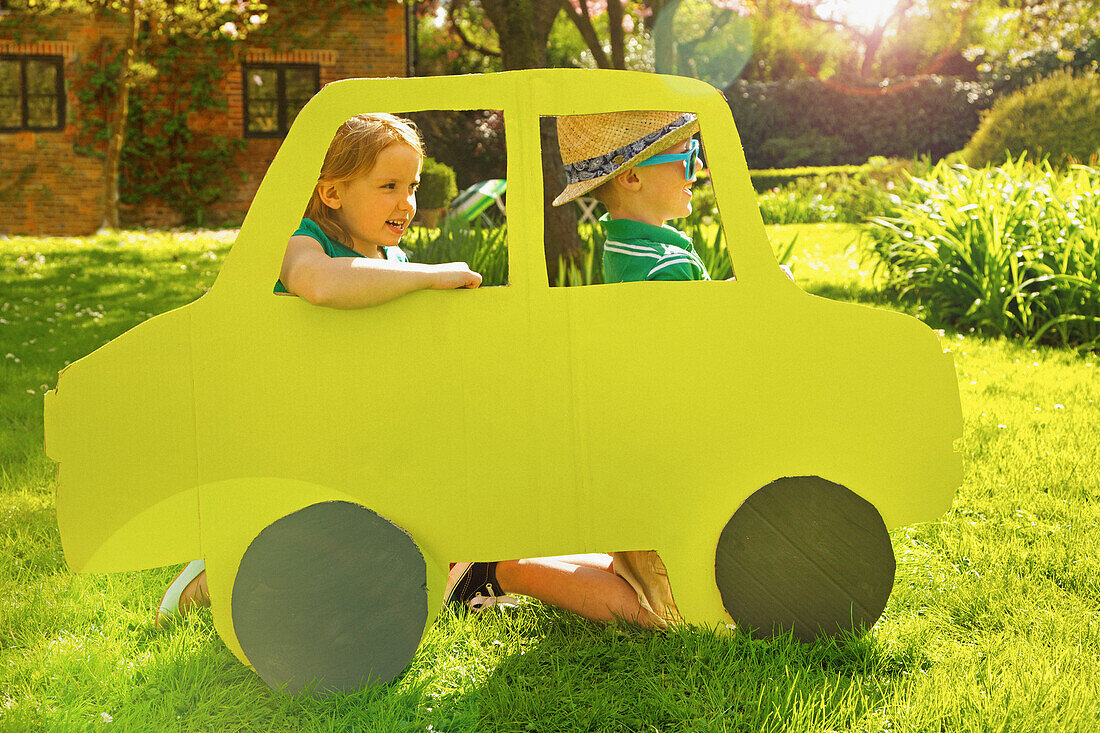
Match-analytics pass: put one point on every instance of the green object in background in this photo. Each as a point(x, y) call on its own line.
point(437, 185)
point(477, 201)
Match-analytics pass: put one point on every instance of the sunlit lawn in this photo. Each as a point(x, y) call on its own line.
point(993, 623)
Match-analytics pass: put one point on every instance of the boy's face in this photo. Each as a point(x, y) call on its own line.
point(663, 191)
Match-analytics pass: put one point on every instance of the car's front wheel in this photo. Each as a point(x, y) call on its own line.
point(331, 597)
point(806, 556)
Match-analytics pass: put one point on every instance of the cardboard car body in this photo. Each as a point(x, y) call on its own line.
point(501, 422)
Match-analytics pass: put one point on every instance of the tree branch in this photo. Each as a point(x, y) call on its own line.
point(583, 23)
point(468, 42)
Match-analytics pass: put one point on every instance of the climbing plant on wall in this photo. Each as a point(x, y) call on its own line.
point(150, 25)
point(172, 71)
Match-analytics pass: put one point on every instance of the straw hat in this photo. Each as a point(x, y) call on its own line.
point(595, 148)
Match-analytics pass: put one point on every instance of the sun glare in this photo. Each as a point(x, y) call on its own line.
point(861, 13)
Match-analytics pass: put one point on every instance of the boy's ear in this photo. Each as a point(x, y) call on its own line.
point(330, 197)
point(628, 180)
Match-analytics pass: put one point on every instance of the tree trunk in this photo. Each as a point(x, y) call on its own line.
point(118, 124)
point(615, 32)
point(523, 27)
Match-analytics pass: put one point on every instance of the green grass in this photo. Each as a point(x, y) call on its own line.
point(993, 625)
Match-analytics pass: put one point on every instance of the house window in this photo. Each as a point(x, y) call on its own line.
point(274, 94)
point(32, 93)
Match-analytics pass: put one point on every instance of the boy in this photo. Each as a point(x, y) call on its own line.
point(641, 166)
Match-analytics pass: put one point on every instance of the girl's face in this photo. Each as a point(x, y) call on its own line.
point(376, 208)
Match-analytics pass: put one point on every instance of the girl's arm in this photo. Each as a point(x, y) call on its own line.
point(357, 282)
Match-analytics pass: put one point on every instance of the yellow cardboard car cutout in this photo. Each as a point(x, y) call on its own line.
point(343, 458)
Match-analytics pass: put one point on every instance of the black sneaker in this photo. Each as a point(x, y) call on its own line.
point(474, 585)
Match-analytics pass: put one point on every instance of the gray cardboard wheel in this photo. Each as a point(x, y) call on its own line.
point(806, 556)
point(332, 596)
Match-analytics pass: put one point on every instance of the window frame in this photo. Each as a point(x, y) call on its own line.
point(282, 127)
point(58, 62)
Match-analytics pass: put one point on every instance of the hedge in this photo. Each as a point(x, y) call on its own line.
point(766, 180)
point(806, 122)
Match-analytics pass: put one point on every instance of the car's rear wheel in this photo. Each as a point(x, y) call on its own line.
point(806, 556)
point(332, 597)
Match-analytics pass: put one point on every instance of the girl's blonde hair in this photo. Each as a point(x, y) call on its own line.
point(352, 153)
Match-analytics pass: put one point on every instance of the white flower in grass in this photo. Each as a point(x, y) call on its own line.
point(106, 717)
point(1059, 407)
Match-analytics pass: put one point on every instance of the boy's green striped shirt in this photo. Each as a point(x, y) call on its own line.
point(637, 251)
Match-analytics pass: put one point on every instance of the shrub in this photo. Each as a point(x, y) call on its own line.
point(766, 180)
point(1057, 117)
point(437, 185)
point(1011, 251)
point(903, 118)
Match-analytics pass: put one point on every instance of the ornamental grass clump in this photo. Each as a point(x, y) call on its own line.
point(1012, 250)
point(484, 249)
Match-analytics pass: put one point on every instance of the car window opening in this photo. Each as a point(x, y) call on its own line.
point(661, 217)
point(461, 201)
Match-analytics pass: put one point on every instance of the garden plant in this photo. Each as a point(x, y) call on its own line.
point(1011, 250)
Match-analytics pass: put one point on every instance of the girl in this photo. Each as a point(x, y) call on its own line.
point(345, 255)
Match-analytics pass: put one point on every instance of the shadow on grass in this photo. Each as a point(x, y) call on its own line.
point(582, 677)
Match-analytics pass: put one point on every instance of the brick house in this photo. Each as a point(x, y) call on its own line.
point(49, 187)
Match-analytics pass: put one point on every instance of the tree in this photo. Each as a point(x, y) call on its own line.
point(1025, 40)
point(194, 18)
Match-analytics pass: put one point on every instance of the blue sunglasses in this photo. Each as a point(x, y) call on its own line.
point(688, 157)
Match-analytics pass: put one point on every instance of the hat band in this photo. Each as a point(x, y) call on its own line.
point(602, 165)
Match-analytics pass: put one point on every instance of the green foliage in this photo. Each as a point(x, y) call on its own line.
point(902, 119)
point(833, 193)
point(1011, 251)
point(484, 249)
point(1006, 75)
point(437, 185)
point(1057, 117)
point(1025, 41)
point(164, 158)
point(807, 149)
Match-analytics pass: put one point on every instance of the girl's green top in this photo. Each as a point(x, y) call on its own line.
point(334, 249)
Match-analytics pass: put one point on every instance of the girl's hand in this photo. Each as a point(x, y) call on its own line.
point(451, 275)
